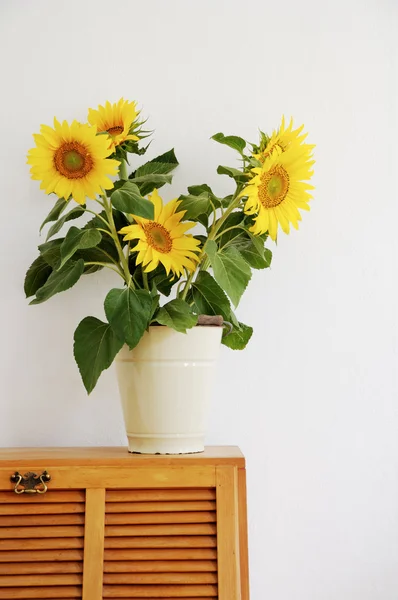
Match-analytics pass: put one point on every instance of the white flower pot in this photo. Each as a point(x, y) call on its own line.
point(165, 384)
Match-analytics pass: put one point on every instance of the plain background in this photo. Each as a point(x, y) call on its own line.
point(313, 400)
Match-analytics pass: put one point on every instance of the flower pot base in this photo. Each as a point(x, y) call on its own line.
point(165, 444)
point(165, 385)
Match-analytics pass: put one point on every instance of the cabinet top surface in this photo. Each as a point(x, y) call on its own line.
point(118, 455)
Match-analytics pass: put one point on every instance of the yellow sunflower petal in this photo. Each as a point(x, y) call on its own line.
point(277, 192)
point(116, 119)
point(181, 228)
point(152, 265)
point(163, 240)
point(157, 202)
point(169, 211)
point(72, 159)
point(273, 225)
point(282, 140)
point(133, 231)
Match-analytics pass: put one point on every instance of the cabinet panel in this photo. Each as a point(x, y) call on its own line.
point(160, 544)
point(69, 478)
point(155, 554)
point(159, 566)
point(41, 544)
point(176, 541)
point(32, 568)
point(156, 495)
point(70, 498)
point(42, 593)
point(171, 592)
point(113, 525)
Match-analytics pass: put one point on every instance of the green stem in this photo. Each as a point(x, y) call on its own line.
point(105, 231)
point(98, 201)
point(179, 285)
point(214, 212)
point(187, 285)
point(228, 229)
point(123, 170)
point(102, 264)
point(122, 258)
point(96, 214)
point(205, 264)
point(235, 201)
point(111, 259)
point(203, 259)
point(145, 280)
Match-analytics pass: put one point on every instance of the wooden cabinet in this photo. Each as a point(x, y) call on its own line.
point(116, 525)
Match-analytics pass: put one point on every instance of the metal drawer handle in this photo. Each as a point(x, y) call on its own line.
point(30, 483)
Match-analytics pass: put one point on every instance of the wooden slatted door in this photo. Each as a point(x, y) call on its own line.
point(142, 528)
point(41, 545)
point(161, 543)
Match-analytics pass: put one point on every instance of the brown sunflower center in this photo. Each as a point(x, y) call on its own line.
point(114, 131)
point(72, 160)
point(274, 187)
point(158, 237)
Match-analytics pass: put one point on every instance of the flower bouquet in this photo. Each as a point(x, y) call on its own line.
point(177, 260)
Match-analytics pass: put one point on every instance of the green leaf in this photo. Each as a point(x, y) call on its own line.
point(130, 147)
point(95, 347)
point(252, 249)
point(36, 276)
point(233, 320)
point(158, 279)
point(236, 174)
point(89, 269)
point(128, 199)
point(153, 180)
point(55, 212)
point(235, 220)
point(59, 281)
point(225, 202)
point(165, 163)
point(201, 238)
point(78, 239)
point(238, 338)
point(107, 243)
point(194, 206)
point(96, 222)
point(120, 220)
point(75, 213)
point(203, 188)
point(51, 252)
point(197, 190)
point(231, 271)
point(163, 282)
point(250, 246)
point(207, 297)
point(161, 165)
point(178, 315)
point(155, 305)
point(128, 311)
point(93, 255)
point(233, 141)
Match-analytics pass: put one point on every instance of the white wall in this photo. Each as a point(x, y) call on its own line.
point(313, 400)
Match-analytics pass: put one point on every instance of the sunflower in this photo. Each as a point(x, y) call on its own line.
point(163, 240)
point(71, 160)
point(283, 139)
point(118, 119)
point(278, 189)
